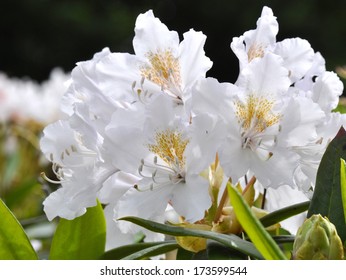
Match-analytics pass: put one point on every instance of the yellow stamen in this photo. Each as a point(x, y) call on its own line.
point(170, 146)
point(256, 113)
point(164, 69)
point(255, 51)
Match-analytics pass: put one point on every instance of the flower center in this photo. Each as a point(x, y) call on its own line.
point(256, 119)
point(255, 51)
point(163, 70)
point(169, 146)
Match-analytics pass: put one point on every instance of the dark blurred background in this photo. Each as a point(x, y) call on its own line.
point(38, 35)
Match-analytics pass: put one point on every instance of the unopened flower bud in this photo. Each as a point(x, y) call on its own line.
point(317, 239)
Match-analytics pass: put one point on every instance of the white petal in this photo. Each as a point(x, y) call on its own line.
point(257, 42)
point(327, 90)
point(193, 62)
point(239, 49)
point(69, 202)
point(318, 68)
point(114, 237)
point(57, 204)
point(267, 28)
point(330, 127)
point(297, 55)
point(152, 35)
point(233, 158)
point(61, 144)
point(89, 129)
point(191, 199)
point(210, 96)
point(143, 204)
point(102, 82)
point(116, 186)
point(299, 122)
point(160, 114)
point(265, 76)
point(276, 171)
point(208, 132)
point(125, 141)
point(311, 154)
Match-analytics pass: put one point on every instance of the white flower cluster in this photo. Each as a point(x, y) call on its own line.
point(140, 128)
point(24, 100)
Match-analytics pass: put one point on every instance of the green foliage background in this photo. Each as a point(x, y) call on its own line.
point(37, 35)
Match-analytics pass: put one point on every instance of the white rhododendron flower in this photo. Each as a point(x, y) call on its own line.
point(141, 132)
point(77, 169)
point(24, 100)
point(161, 64)
point(172, 65)
point(296, 53)
point(324, 92)
point(108, 97)
point(154, 143)
point(262, 121)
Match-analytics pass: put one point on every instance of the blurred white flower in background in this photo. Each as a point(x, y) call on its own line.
point(26, 107)
point(24, 100)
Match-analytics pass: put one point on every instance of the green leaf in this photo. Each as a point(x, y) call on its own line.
point(231, 241)
point(341, 108)
point(284, 213)
point(14, 243)
point(199, 256)
point(126, 250)
point(153, 251)
point(343, 185)
point(253, 227)
point(183, 254)
point(217, 251)
point(82, 238)
point(327, 197)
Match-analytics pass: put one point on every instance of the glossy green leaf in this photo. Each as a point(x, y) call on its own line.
point(126, 250)
point(284, 213)
point(217, 251)
point(327, 197)
point(343, 185)
point(153, 251)
point(231, 241)
point(14, 243)
point(82, 238)
point(183, 254)
point(253, 227)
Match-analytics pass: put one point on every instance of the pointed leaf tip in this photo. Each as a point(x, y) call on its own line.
point(341, 133)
